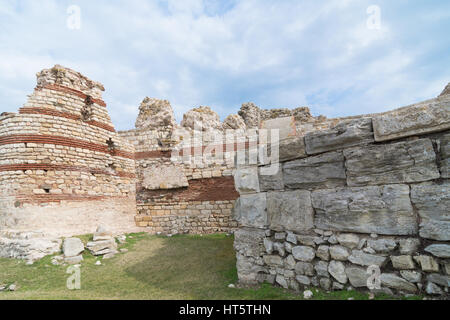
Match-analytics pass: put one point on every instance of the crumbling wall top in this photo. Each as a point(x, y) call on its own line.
point(59, 75)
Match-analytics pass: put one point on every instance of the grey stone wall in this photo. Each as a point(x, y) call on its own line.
point(368, 193)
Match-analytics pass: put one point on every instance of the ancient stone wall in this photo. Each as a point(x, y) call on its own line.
point(358, 193)
point(63, 168)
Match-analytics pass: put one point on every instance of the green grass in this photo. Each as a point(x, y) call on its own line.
point(155, 267)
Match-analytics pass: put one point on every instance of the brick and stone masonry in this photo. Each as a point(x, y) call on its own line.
point(349, 193)
point(369, 191)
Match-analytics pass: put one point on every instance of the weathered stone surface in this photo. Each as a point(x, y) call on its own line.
point(439, 279)
point(383, 210)
point(249, 242)
point(280, 235)
point(292, 238)
point(439, 250)
point(348, 240)
point(433, 289)
point(250, 210)
point(403, 262)
point(268, 245)
point(444, 143)
point(246, 180)
point(323, 252)
point(279, 247)
point(72, 247)
point(382, 245)
point(306, 240)
point(269, 182)
point(432, 202)
point(325, 283)
point(251, 114)
point(273, 260)
point(233, 122)
point(321, 268)
point(154, 114)
point(102, 247)
point(248, 271)
point(201, 118)
point(417, 119)
point(395, 282)
point(427, 263)
point(74, 259)
point(339, 253)
point(164, 177)
point(365, 259)
point(411, 276)
point(303, 280)
point(357, 276)
point(447, 268)
point(291, 148)
point(337, 271)
point(304, 268)
point(303, 253)
point(322, 171)
point(290, 210)
point(402, 162)
point(346, 134)
point(285, 126)
point(409, 245)
point(289, 262)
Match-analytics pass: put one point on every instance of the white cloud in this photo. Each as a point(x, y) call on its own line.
point(219, 53)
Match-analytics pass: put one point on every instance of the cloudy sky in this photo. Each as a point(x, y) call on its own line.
point(332, 56)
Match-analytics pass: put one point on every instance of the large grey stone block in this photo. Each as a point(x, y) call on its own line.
point(268, 182)
point(283, 150)
point(439, 250)
point(322, 171)
point(445, 156)
point(246, 180)
point(432, 202)
point(357, 276)
point(417, 119)
point(393, 281)
point(375, 209)
point(402, 162)
point(290, 210)
point(346, 134)
point(250, 210)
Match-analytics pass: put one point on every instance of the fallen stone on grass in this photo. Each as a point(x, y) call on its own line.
point(103, 244)
point(307, 294)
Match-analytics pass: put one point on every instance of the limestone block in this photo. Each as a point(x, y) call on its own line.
point(403, 262)
point(72, 247)
point(164, 177)
point(411, 276)
point(246, 180)
point(337, 271)
point(322, 171)
point(381, 210)
point(304, 268)
point(321, 268)
point(357, 276)
point(445, 156)
point(409, 245)
point(427, 263)
point(285, 127)
point(348, 240)
point(365, 259)
point(303, 253)
point(439, 279)
point(248, 271)
point(339, 253)
point(345, 134)
point(283, 150)
point(402, 162)
point(393, 281)
point(268, 182)
point(439, 250)
point(251, 211)
point(382, 245)
point(432, 202)
point(417, 119)
point(290, 210)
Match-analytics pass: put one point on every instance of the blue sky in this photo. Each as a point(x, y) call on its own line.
point(221, 54)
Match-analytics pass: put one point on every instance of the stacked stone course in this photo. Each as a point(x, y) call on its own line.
point(360, 192)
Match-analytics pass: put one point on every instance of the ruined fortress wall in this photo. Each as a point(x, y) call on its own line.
point(59, 172)
point(175, 191)
point(369, 191)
